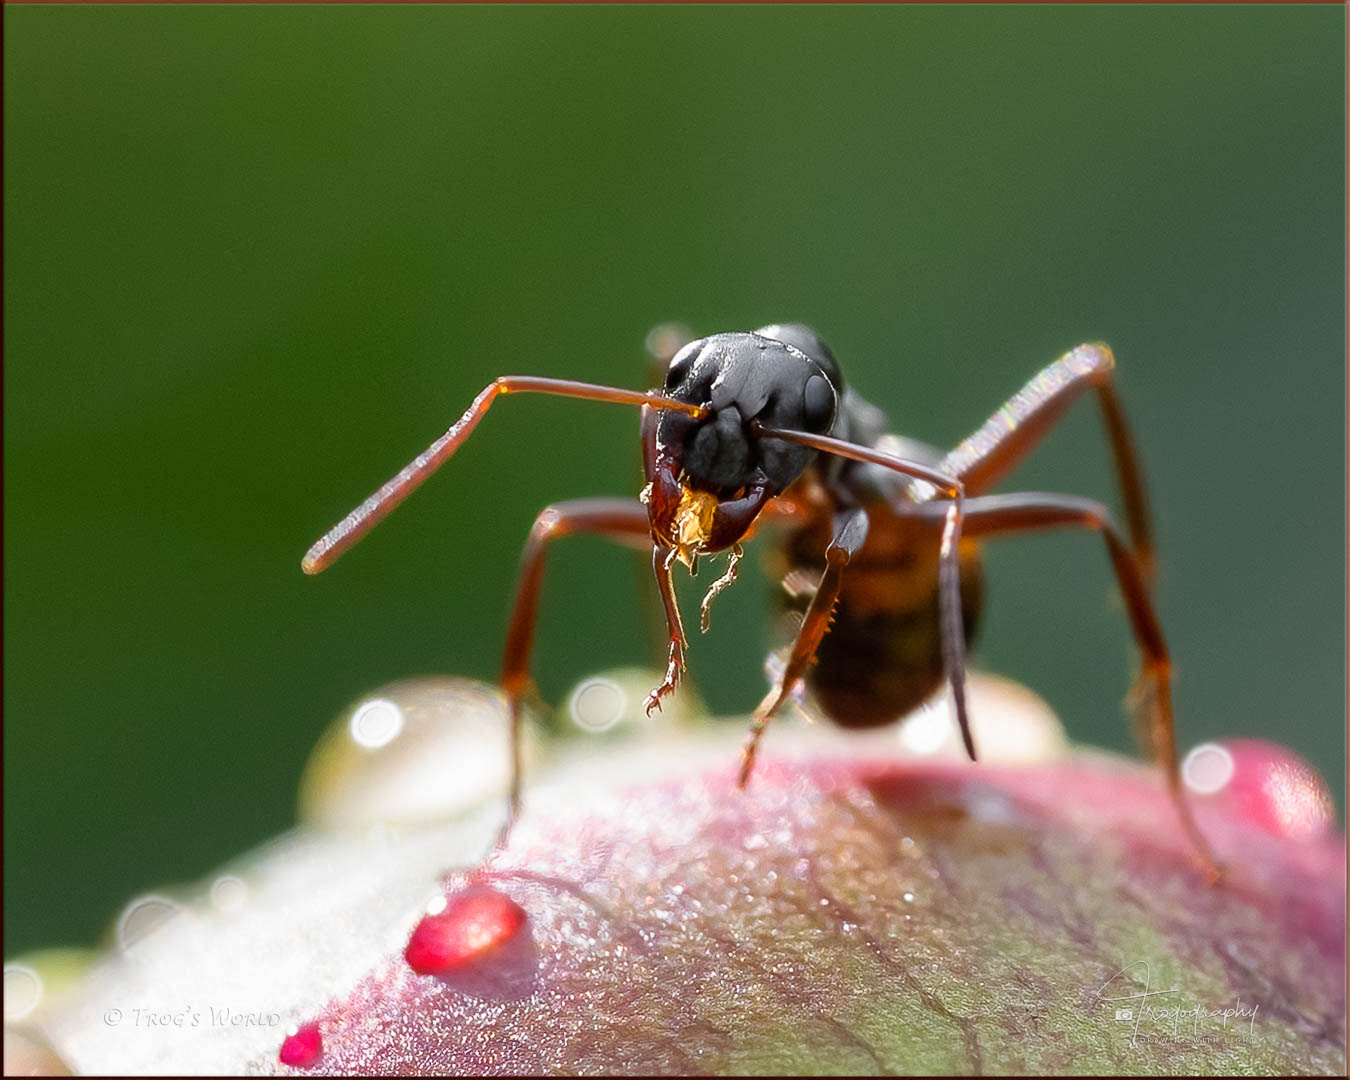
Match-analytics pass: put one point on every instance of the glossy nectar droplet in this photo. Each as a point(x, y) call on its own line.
point(471, 925)
point(303, 1047)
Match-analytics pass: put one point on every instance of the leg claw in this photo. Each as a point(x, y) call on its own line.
point(674, 669)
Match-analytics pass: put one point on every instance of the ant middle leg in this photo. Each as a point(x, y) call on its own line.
point(1013, 432)
point(623, 520)
point(992, 515)
point(850, 533)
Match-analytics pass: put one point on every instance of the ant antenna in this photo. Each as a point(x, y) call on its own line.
point(347, 532)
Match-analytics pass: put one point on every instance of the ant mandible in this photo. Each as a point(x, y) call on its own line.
point(755, 427)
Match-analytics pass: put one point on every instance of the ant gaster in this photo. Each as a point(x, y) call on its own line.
point(755, 427)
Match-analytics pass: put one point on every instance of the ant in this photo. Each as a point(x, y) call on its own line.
point(760, 427)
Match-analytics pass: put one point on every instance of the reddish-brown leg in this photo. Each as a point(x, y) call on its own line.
point(662, 558)
point(993, 515)
point(1012, 432)
point(624, 520)
point(850, 533)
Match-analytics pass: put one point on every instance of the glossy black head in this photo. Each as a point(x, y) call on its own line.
point(802, 337)
point(740, 378)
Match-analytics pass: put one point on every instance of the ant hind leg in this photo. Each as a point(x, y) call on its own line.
point(1015, 430)
point(992, 515)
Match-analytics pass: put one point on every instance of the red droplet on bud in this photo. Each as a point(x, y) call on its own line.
point(303, 1047)
point(471, 924)
point(1263, 782)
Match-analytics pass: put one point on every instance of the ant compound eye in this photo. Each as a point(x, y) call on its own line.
point(680, 364)
point(818, 403)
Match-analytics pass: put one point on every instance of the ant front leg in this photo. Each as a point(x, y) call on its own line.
point(1012, 432)
point(662, 558)
point(850, 533)
point(623, 520)
point(993, 515)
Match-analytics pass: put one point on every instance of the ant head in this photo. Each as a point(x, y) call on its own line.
point(804, 339)
point(711, 475)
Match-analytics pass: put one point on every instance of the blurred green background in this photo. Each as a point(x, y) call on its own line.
point(258, 257)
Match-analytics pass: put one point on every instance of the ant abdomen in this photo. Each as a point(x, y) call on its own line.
point(883, 656)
